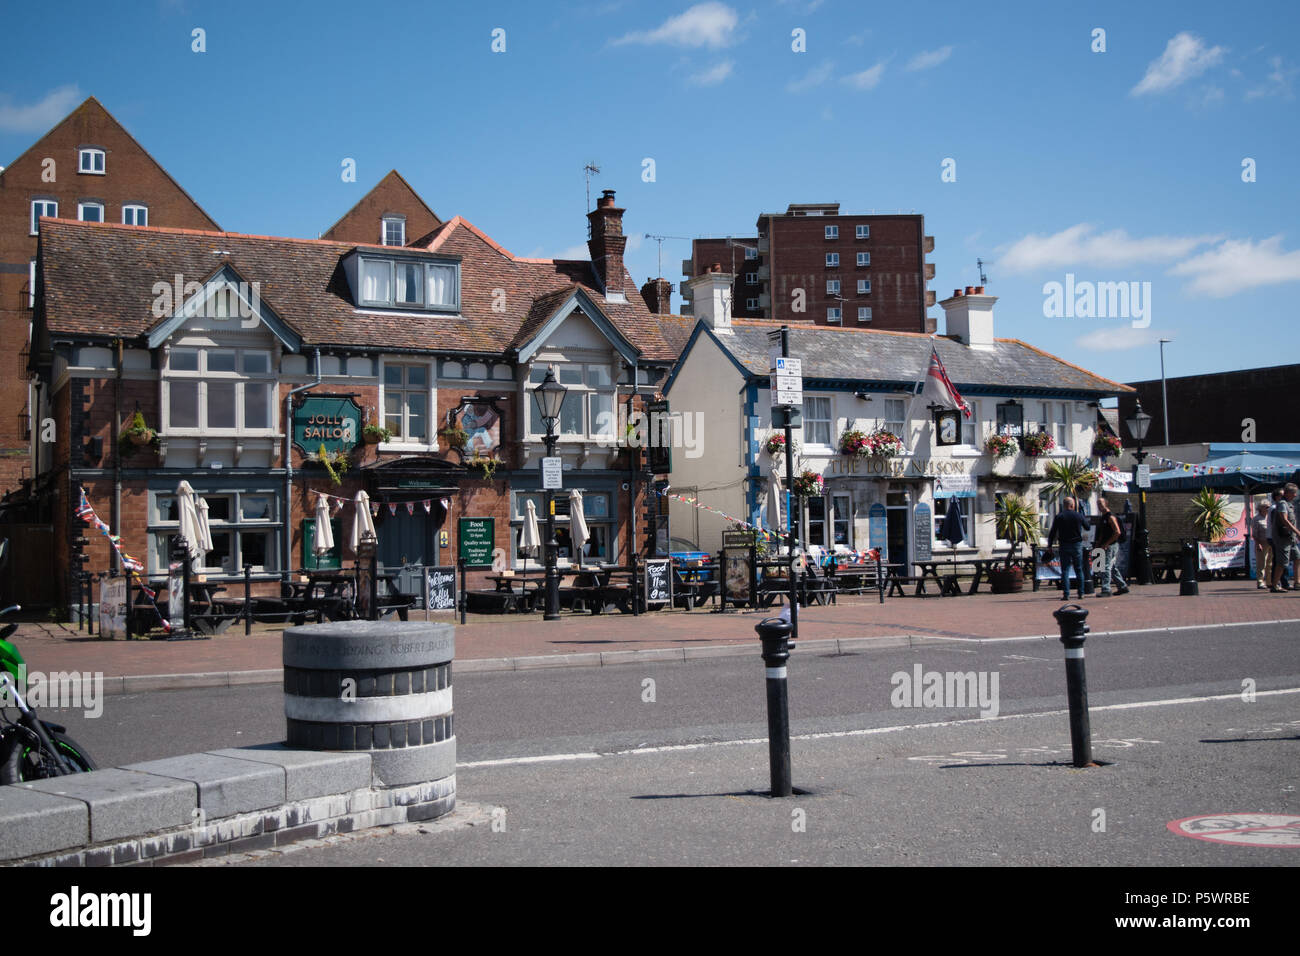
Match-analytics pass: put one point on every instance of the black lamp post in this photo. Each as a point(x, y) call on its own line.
point(550, 398)
point(1137, 427)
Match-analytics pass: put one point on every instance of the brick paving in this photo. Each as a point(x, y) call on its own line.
point(49, 647)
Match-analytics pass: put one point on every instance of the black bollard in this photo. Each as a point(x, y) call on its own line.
point(461, 598)
point(774, 632)
point(1187, 581)
point(1071, 621)
point(248, 599)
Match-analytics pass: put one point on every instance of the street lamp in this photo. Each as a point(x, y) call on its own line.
point(1138, 424)
point(549, 397)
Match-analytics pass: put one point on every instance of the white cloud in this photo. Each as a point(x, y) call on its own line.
point(1185, 57)
point(1081, 245)
point(705, 24)
point(929, 58)
point(867, 79)
point(857, 39)
point(1278, 82)
point(1117, 338)
point(813, 78)
point(574, 252)
point(1236, 265)
point(39, 117)
point(712, 76)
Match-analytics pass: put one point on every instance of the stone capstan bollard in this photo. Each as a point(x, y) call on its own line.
point(377, 687)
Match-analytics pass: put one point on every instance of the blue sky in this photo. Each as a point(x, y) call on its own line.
point(1115, 166)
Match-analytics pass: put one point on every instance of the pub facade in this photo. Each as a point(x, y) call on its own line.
point(867, 382)
point(272, 373)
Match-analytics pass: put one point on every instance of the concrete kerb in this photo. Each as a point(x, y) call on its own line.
point(843, 645)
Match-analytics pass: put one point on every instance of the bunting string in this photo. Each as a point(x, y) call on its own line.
point(132, 566)
point(1203, 469)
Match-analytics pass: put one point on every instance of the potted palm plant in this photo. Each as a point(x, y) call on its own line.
point(1208, 512)
point(1071, 478)
point(1017, 521)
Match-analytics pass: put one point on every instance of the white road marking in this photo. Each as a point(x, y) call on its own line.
point(1057, 636)
point(864, 732)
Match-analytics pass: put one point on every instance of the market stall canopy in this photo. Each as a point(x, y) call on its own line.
point(1240, 472)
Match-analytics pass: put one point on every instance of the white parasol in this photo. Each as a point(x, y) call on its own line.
point(363, 526)
point(189, 519)
point(324, 533)
point(775, 499)
point(577, 525)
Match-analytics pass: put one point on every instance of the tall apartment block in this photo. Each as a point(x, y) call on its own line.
point(811, 264)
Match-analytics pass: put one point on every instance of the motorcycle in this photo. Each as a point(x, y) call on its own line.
point(30, 748)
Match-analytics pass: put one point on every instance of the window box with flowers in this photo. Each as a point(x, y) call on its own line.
point(1039, 444)
point(1000, 446)
point(880, 443)
point(808, 484)
point(1106, 446)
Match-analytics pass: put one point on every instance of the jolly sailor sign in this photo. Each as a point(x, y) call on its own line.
point(324, 420)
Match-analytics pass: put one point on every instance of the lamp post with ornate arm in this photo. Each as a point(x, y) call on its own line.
point(550, 399)
point(1138, 424)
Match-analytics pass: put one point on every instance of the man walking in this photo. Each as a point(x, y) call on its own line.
point(1068, 527)
point(1286, 539)
point(1108, 538)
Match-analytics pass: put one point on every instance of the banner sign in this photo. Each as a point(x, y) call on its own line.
point(954, 486)
point(332, 422)
point(1221, 555)
point(1045, 570)
point(877, 526)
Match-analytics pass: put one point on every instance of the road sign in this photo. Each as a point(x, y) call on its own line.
point(1243, 829)
point(552, 474)
point(786, 365)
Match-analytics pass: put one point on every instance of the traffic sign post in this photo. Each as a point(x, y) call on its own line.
point(552, 474)
point(787, 404)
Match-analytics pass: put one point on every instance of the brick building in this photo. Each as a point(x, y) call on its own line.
point(441, 341)
point(89, 168)
point(811, 264)
point(1213, 407)
point(391, 214)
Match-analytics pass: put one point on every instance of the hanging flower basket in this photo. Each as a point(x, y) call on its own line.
point(374, 434)
point(880, 443)
point(808, 484)
point(775, 445)
point(1000, 446)
point(1106, 446)
point(1039, 444)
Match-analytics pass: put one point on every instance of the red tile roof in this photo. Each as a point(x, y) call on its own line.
point(99, 280)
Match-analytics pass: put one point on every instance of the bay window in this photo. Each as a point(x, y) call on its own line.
point(220, 390)
point(244, 525)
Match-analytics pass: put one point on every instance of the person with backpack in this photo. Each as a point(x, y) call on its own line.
point(1110, 535)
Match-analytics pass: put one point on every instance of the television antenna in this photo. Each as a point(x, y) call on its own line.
point(984, 280)
point(660, 240)
point(588, 171)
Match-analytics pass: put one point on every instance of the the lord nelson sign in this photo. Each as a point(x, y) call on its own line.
point(332, 422)
point(896, 467)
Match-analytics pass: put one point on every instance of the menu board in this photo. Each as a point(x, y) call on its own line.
point(658, 583)
point(477, 536)
point(441, 588)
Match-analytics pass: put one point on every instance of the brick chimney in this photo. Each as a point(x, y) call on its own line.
point(711, 293)
point(606, 245)
point(658, 295)
point(969, 316)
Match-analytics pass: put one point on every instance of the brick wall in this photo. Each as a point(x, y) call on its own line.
point(130, 176)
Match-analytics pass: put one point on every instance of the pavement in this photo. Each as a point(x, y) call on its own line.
point(519, 642)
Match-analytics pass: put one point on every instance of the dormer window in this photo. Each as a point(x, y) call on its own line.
point(394, 230)
point(382, 282)
point(90, 160)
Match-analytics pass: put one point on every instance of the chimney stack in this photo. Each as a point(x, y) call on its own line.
point(969, 316)
point(711, 294)
point(606, 245)
point(658, 295)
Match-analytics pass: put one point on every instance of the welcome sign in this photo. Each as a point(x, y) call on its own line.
point(325, 420)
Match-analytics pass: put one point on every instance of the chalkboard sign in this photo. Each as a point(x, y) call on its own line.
point(442, 589)
point(922, 532)
point(658, 583)
point(476, 537)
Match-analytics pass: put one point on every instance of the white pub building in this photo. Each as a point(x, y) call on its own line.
point(866, 381)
